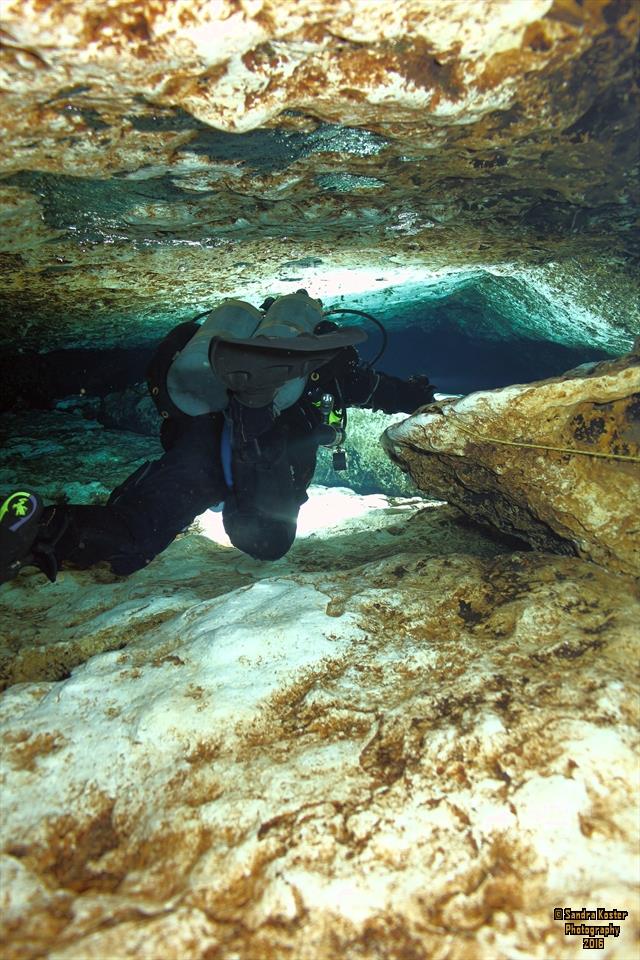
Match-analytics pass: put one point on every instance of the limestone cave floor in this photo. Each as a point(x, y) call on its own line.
point(405, 738)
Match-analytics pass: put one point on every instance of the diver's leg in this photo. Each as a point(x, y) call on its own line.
point(261, 513)
point(142, 516)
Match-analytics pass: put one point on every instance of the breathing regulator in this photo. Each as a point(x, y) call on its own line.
point(334, 421)
point(332, 431)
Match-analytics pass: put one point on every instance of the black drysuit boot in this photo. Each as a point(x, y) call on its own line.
point(29, 534)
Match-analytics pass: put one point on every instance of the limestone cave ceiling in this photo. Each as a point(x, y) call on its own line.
point(157, 155)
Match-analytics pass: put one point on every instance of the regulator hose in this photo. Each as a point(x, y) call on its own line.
point(326, 313)
point(367, 316)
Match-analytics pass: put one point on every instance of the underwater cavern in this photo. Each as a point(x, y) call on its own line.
point(413, 736)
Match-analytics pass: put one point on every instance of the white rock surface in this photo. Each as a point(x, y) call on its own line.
point(380, 746)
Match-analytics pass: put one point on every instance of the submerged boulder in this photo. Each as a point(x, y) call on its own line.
point(556, 462)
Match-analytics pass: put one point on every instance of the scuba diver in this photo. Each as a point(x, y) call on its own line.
point(246, 399)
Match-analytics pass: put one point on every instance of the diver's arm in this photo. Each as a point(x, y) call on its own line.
point(393, 395)
point(364, 387)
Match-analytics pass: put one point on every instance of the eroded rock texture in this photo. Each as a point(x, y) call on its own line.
point(556, 462)
point(158, 155)
point(404, 741)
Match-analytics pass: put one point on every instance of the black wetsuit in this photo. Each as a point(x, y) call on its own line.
point(270, 477)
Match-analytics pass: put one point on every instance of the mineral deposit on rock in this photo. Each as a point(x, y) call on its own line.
point(555, 462)
point(411, 738)
point(420, 754)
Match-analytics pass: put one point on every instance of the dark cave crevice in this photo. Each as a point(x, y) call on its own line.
point(458, 363)
point(455, 362)
point(34, 381)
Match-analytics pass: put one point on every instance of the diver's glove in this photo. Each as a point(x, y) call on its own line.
point(419, 391)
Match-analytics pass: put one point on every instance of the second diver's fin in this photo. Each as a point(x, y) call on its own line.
point(19, 522)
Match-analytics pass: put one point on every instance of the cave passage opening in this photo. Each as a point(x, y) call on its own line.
point(474, 330)
point(466, 329)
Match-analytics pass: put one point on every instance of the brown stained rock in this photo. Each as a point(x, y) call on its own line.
point(235, 65)
point(487, 454)
point(507, 131)
point(461, 768)
point(25, 749)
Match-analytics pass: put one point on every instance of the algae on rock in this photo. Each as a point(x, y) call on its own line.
point(556, 462)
